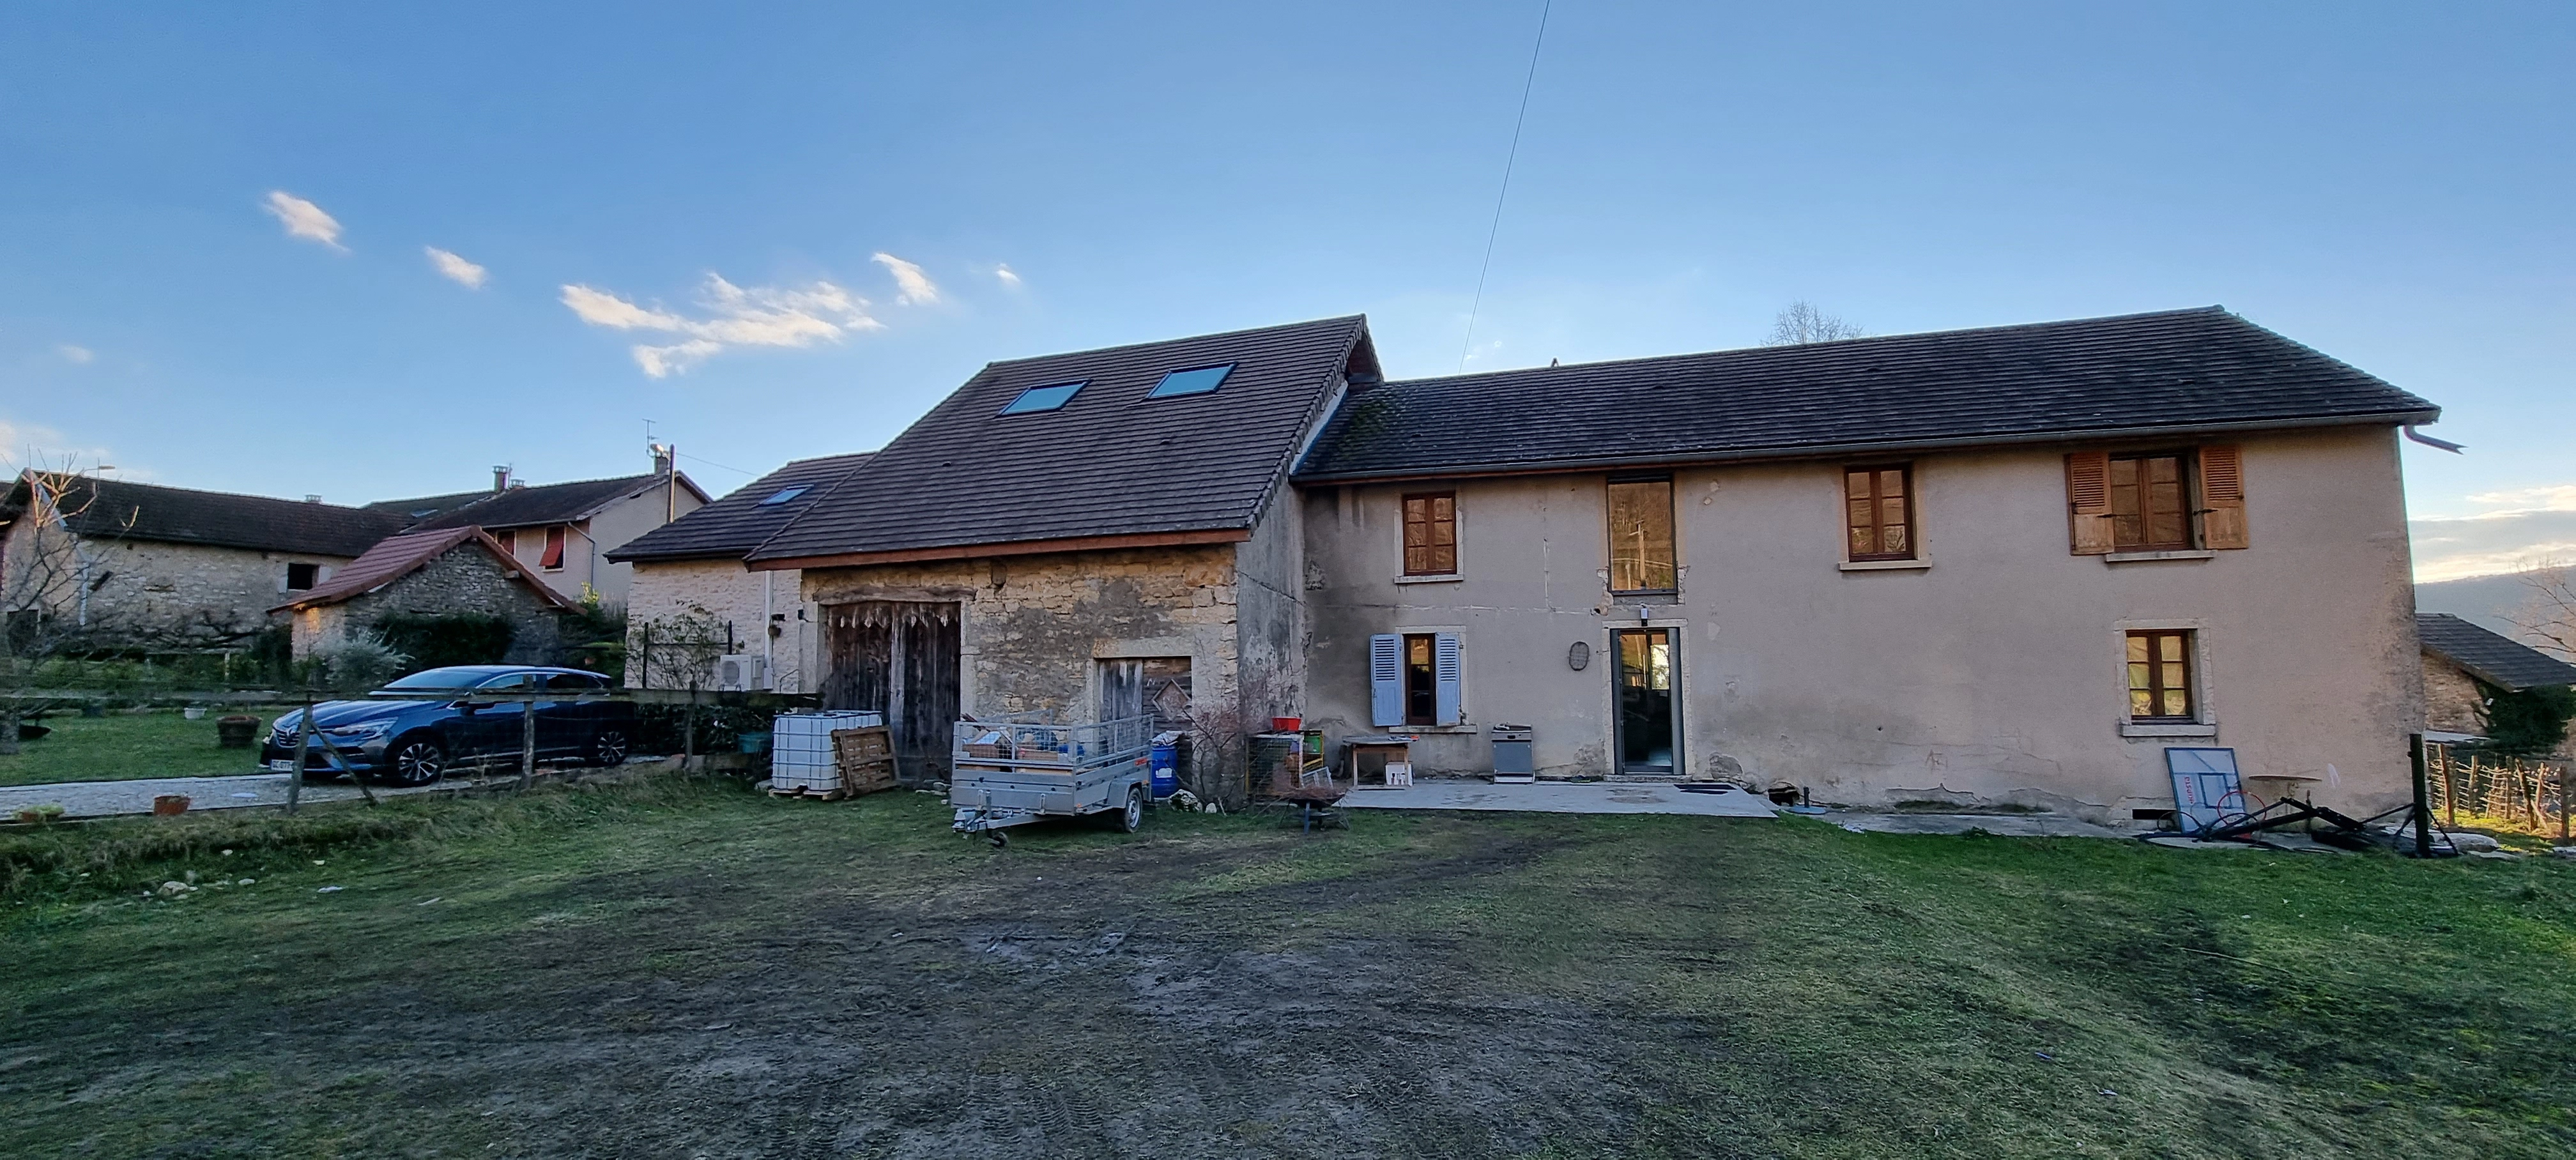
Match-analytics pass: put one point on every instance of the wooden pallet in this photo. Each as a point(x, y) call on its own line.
point(865, 758)
point(819, 795)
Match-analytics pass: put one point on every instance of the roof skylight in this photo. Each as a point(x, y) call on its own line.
point(1190, 382)
point(1037, 399)
point(783, 495)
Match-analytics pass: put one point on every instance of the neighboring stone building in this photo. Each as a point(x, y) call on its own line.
point(563, 532)
point(2464, 665)
point(689, 580)
point(168, 567)
point(426, 574)
point(2153, 531)
point(1105, 533)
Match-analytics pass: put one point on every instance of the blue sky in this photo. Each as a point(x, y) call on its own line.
point(2387, 184)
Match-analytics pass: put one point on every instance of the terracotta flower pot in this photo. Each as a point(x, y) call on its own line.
point(170, 805)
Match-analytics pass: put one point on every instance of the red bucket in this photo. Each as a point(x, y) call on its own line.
point(1286, 724)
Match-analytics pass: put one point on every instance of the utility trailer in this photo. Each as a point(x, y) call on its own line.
point(1013, 772)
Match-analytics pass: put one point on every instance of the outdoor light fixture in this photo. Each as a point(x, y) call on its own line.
point(1641, 614)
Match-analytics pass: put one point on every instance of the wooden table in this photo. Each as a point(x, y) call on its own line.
point(1388, 746)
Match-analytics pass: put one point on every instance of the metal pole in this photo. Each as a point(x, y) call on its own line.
point(2562, 802)
point(2423, 806)
point(527, 744)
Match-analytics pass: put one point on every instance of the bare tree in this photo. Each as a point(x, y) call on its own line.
point(2548, 611)
point(1802, 323)
point(49, 582)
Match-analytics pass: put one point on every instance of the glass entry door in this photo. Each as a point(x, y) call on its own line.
point(1649, 739)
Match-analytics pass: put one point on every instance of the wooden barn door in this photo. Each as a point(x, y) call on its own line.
point(899, 658)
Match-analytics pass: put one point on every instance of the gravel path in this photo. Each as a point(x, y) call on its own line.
point(96, 799)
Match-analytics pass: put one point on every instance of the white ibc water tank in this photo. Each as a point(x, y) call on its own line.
point(800, 747)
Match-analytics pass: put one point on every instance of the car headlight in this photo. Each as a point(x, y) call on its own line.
point(363, 731)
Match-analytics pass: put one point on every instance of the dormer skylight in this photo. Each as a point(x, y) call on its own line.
point(783, 495)
point(1037, 399)
point(1190, 382)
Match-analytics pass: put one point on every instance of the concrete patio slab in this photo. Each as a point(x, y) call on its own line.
point(2005, 825)
point(1556, 797)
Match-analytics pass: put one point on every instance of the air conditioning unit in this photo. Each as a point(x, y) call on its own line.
point(742, 673)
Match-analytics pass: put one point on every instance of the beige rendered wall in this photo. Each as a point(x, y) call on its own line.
point(1994, 675)
point(1032, 627)
point(725, 591)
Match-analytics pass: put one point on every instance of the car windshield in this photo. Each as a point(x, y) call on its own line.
point(454, 678)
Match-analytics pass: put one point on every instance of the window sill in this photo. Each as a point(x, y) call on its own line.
point(1884, 565)
point(1464, 727)
point(2148, 557)
point(2174, 729)
point(1445, 578)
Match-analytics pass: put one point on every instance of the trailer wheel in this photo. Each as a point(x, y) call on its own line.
point(1127, 818)
point(997, 838)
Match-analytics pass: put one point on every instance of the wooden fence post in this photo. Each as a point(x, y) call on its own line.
point(2423, 814)
point(303, 746)
point(2562, 801)
point(527, 744)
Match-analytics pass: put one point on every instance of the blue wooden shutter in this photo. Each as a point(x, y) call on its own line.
point(1444, 672)
point(1386, 679)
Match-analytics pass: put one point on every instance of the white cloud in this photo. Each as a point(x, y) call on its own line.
point(1005, 273)
point(2553, 498)
point(912, 287)
point(44, 448)
point(455, 269)
point(303, 219)
point(736, 316)
point(76, 354)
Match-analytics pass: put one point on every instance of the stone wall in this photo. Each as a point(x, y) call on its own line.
point(1033, 627)
point(465, 580)
point(2453, 702)
point(722, 591)
point(157, 591)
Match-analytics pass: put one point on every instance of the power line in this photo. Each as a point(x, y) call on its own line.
point(713, 463)
point(1515, 154)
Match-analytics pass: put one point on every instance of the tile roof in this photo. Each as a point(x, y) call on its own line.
point(1109, 463)
point(552, 503)
point(2183, 369)
point(115, 508)
point(424, 506)
point(2498, 660)
point(399, 556)
point(731, 527)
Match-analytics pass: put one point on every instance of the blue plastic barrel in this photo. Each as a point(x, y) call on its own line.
point(1166, 775)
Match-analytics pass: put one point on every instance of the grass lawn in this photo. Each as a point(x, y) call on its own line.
point(679, 968)
point(119, 746)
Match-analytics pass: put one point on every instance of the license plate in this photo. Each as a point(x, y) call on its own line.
point(283, 765)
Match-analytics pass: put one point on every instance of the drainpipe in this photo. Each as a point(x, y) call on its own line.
point(768, 633)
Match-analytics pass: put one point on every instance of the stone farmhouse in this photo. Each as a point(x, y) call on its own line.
point(433, 573)
point(168, 566)
point(692, 590)
point(1998, 566)
point(2466, 666)
point(563, 532)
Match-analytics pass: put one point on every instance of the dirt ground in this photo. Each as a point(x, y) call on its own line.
point(736, 977)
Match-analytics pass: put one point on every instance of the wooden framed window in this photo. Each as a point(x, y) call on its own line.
point(554, 557)
point(1878, 512)
point(1641, 536)
point(1431, 534)
point(2151, 502)
point(2160, 684)
point(301, 577)
point(509, 538)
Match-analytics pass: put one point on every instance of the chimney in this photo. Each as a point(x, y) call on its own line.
point(661, 458)
point(312, 498)
point(500, 477)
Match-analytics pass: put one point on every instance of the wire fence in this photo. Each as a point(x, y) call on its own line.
point(2493, 792)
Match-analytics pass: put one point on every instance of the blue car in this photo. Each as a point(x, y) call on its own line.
point(399, 736)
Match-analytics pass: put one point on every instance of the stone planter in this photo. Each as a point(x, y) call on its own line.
point(236, 732)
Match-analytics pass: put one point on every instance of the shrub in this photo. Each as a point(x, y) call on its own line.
point(435, 642)
point(359, 660)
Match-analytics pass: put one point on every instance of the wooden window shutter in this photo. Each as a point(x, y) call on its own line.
point(2222, 497)
point(2088, 503)
point(1386, 679)
point(1445, 679)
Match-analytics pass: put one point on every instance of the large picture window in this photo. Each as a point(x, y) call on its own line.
point(1641, 536)
point(1878, 510)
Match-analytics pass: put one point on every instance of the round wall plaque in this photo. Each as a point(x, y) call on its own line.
point(1578, 656)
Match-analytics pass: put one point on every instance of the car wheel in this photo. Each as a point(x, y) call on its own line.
point(415, 761)
point(608, 747)
point(1127, 818)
